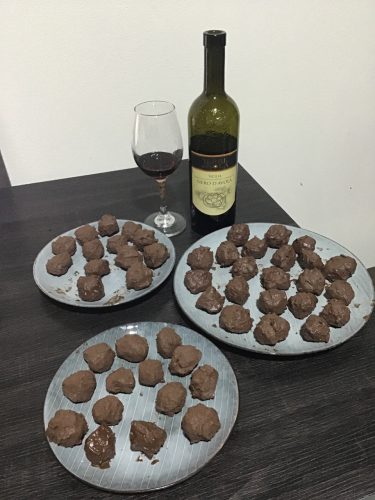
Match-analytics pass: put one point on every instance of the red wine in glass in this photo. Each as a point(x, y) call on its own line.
point(158, 164)
point(157, 150)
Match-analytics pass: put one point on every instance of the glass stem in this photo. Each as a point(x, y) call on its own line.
point(163, 192)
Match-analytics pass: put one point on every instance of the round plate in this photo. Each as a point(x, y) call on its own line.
point(178, 459)
point(64, 288)
point(360, 308)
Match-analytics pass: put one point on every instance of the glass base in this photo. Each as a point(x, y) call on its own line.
point(169, 224)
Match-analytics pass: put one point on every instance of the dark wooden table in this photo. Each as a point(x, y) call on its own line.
point(306, 426)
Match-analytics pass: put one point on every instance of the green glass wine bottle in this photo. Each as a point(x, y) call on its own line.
point(213, 125)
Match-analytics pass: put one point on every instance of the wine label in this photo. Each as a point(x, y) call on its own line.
point(214, 187)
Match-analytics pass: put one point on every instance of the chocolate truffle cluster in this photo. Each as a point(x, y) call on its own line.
point(177, 361)
point(240, 252)
point(135, 250)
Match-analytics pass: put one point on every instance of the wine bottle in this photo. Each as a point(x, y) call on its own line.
point(213, 125)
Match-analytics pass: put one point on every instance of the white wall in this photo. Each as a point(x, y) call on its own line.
point(302, 72)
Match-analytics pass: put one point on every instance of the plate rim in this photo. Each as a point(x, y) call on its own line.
point(162, 324)
point(264, 352)
point(81, 303)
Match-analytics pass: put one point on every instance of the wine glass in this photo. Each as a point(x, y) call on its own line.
point(157, 150)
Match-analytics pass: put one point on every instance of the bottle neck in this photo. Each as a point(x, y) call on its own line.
point(214, 60)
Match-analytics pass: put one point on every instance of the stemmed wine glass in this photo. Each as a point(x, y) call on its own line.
point(157, 150)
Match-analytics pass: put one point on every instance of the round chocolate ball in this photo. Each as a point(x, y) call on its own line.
point(272, 301)
point(302, 304)
point(200, 423)
point(67, 428)
point(235, 319)
point(166, 341)
point(201, 258)
point(271, 329)
point(238, 234)
point(170, 399)
point(79, 386)
point(132, 347)
point(315, 329)
point(99, 357)
point(336, 313)
point(108, 410)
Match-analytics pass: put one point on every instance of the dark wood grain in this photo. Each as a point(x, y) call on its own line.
point(306, 426)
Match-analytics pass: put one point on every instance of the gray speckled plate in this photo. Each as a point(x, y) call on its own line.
point(360, 308)
point(178, 459)
point(64, 288)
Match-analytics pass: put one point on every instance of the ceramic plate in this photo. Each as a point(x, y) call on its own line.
point(360, 308)
point(64, 288)
point(178, 459)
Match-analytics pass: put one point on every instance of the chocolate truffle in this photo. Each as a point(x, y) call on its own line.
point(100, 447)
point(274, 277)
point(184, 359)
point(127, 256)
point(201, 258)
point(336, 313)
point(271, 329)
point(90, 288)
point(132, 347)
point(138, 276)
point(200, 423)
point(284, 257)
point(277, 235)
point(100, 267)
point(315, 329)
point(304, 243)
point(340, 267)
point(146, 437)
point(85, 233)
point(272, 301)
point(226, 253)
point(308, 259)
point(197, 281)
point(170, 399)
point(302, 304)
point(67, 428)
point(255, 247)
point(115, 243)
point(311, 280)
point(144, 237)
point(80, 386)
point(237, 290)
point(340, 290)
point(93, 250)
point(166, 341)
point(150, 372)
point(99, 357)
point(235, 319)
point(203, 383)
point(246, 267)
point(238, 234)
point(210, 301)
point(64, 244)
point(59, 264)
point(155, 255)
point(107, 225)
point(107, 410)
point(129, 229)
point(121, 380)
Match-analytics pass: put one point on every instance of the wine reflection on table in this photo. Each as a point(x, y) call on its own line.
point(157, 150)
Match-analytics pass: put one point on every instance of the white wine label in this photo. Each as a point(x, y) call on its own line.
point(214, 191)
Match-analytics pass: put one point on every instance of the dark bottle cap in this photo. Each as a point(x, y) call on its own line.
point(214, 38)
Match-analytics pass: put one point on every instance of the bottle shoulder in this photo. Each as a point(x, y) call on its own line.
point(213, 101)
point(214, 112)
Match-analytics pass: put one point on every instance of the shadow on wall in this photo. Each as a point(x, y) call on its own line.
point(4, 179)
